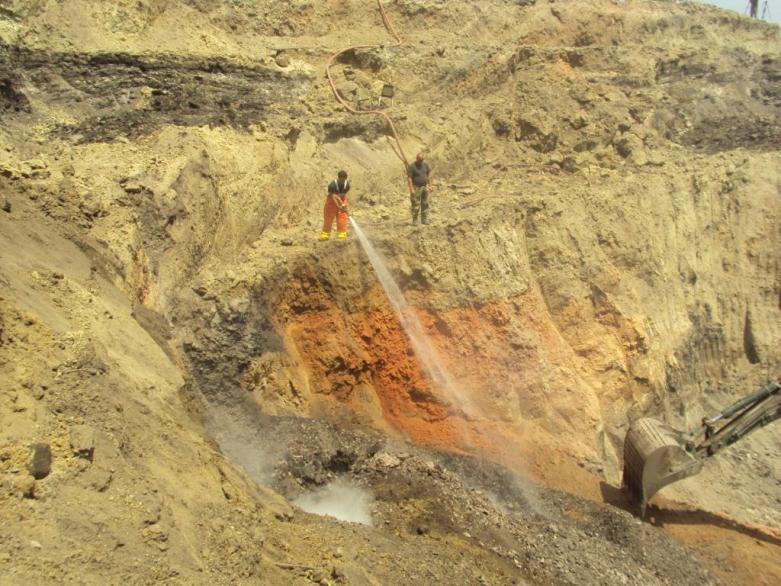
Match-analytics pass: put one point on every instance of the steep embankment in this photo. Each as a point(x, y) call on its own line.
point(605, 244)
point(597, 253)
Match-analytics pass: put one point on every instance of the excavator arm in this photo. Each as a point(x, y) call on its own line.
point(656, 455)
point(738, 420)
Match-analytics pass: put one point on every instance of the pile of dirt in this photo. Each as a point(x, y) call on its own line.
point(605, 245)
point(548, 536)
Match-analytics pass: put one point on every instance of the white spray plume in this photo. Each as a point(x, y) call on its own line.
point(340, 500)
point(431, 362)
point(429, 359)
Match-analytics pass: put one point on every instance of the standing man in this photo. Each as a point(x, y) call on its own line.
point(753, 7)
point(336, 207)
point(419, 179)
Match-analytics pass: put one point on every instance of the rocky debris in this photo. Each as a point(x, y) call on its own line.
point(384, 460)
point(372, 60)
point(768, 79)
point(82, 440)
point(12, 97)
point(538, 133)
point(420, 7)
point(39, 462)
point(6, 205)
point(132, 185)
point(368, 128)
point(19, 485)
point(728, 132)
point(347, 89)
point(33, 169)
point(92, 207)
point(156, 535)
point(282, 60)
point(420, 494)
point(318, 452)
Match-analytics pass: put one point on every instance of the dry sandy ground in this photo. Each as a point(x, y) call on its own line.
point(605, 245)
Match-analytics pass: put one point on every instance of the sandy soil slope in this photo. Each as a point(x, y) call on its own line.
point(605, 244)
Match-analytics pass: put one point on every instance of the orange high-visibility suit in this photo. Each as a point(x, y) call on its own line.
point(335, 208)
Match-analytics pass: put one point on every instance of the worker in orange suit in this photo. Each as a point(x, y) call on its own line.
point(336, 207)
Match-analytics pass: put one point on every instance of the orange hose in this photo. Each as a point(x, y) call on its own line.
point(348, 107)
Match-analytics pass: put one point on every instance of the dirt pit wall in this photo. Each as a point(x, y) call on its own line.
point(604, 245)
point(561, 316)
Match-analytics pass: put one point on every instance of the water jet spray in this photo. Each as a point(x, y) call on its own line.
point(421, 345)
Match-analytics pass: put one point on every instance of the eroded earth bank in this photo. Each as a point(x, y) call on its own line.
point(190, 365)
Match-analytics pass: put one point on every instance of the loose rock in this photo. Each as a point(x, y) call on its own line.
point(20, 485)
point(282, 60)
point(385, 460)
point(40, 461)
point(82, 438)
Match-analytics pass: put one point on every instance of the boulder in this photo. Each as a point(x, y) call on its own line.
point(569, 164)
point(627, 145)
point(39, 463)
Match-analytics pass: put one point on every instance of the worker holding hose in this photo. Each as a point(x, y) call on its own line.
point(336, 207)
point(419, 179)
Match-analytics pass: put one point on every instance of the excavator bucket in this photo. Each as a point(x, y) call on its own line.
point(653, 458)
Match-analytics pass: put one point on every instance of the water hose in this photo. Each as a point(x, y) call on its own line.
point(391, 29)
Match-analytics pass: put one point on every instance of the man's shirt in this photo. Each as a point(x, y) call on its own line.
point(419, 173)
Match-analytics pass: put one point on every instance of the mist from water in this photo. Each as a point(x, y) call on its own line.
point(240, 439)
point(425, 352)
point(340, 500)
point(429, 359)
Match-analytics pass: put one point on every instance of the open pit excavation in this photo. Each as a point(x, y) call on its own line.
point(195, 390)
